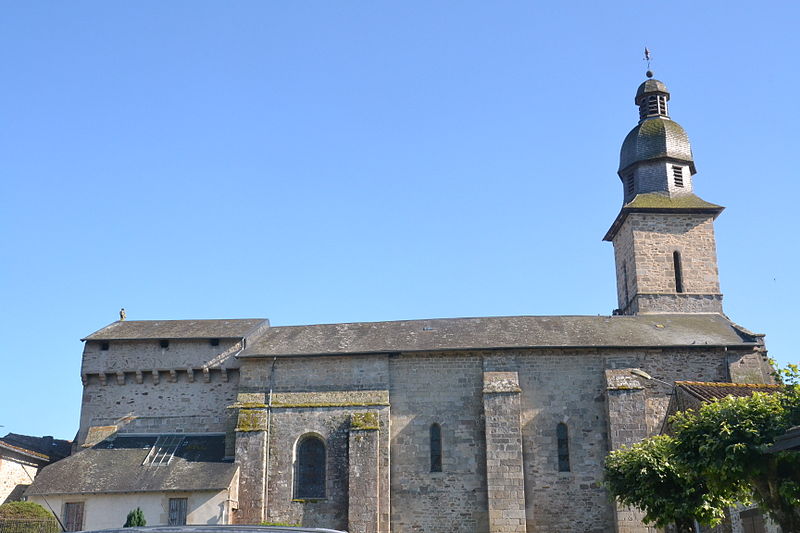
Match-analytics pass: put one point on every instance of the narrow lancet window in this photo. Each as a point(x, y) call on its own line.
point(563, 447)
point(625, 283)
point(436, 448)
point(309, 475)
point(676, 259)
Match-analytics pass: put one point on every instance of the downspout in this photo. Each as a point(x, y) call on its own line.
point(269, 431)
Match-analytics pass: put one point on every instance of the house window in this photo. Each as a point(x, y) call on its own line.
point(104, 346)
point(436, 448)
point(676, 260)
point(563, 447)
point(629, 184)
point(213, 342)
point(177, 511)
point(73, 516)
point(677, 175)
point(164, 344)
point(309, 475)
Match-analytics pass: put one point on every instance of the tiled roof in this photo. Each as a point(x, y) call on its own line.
point(709, 391)
point(788, 441)
point(115, 465)
point(178, 329)
point(500, 333)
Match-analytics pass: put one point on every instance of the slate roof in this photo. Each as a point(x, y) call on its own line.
point(657, 202)
point(177, 329)
point(500, 332)
point(650, 86)
point(115, 465)
point(46, 448)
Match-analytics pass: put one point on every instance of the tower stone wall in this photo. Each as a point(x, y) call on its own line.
point(644, 250)
point(138, 386)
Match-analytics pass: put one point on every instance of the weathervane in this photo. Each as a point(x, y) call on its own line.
point(649, 72)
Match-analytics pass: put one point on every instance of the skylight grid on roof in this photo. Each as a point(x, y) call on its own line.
point(163, 450)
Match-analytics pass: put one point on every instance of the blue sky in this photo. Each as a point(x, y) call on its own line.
point(342, 161)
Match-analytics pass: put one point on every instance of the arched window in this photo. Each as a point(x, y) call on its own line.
point(563, 447)
point(436, 448)
point(676, 259)
point(309, 468)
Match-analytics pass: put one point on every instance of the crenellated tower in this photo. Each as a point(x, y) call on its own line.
point(664, 247)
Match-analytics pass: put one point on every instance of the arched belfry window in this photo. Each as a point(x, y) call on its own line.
point(436, 448)
point(676, 260)
point(309, 468)
point(562, 437)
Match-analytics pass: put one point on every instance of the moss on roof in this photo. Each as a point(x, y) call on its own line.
point(657, 200)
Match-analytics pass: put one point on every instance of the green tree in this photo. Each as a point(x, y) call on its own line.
point(728, 442)
point(135, 518)
point(718, 455)
point(647, 476)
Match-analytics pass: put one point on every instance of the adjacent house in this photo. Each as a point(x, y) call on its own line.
point(21, 458)
point(174, 478)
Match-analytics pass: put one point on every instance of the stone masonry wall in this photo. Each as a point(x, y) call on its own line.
point(644, 247)
point(145, 355)
point(320, 395)
point(445, 389)
point(317, 396)
point(364, 473)
point(164, 406)
point(15, 470)
point(505, 475)
point(141, 387)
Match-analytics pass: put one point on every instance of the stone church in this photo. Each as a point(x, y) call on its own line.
point(494, 424)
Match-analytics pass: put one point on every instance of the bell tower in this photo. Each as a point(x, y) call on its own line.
point(664, 247)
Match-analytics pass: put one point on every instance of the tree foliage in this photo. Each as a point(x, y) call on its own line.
point(647, 476)
point(135, 518)
point(718, 455)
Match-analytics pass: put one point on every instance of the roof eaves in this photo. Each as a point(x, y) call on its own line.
point(688, 387)
point(24, 451)
point(497, 348)
point(626, 210)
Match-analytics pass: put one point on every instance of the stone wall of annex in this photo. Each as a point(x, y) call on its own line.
point(140, 387)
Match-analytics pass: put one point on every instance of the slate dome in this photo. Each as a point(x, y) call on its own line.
point(656, 138)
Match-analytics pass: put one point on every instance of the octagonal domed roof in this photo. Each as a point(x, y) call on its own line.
point(651, 86)
point(656, 138)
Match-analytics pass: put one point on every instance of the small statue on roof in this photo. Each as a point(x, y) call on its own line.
point(122, 314)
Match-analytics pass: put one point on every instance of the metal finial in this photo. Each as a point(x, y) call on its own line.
point(647, 58)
